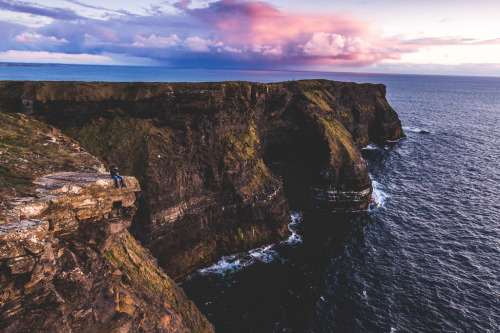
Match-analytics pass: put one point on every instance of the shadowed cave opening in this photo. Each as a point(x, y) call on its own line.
point(299, 157)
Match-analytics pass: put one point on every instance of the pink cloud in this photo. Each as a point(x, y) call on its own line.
point(225, 33)
point(182, 4)
point(259, 27)
point(28, 37)
point(447, 41)
point(197, 44)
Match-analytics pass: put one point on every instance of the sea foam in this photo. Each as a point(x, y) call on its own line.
point(265, 254)
point(379, 197)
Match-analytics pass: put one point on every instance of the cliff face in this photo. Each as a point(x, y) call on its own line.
point(219, 163)
point(67, 262)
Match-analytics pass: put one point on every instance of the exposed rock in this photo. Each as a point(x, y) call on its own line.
point(69, 273)
point(59, 258)
point(220, 162)
point(30, 149)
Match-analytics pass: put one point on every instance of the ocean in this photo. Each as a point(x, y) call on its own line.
point(425, 258)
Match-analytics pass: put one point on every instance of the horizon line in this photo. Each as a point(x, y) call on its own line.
point(40, 64)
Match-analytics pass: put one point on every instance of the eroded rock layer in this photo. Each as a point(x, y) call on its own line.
point(67, 262)
point(219, 163)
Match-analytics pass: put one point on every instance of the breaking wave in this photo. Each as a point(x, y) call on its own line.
point(371, 146)
point(415, 129)
point(236, 262)
point(379, 197)
point(265, 254)
point(295, 237)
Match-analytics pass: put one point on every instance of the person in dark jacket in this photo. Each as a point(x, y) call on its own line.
point(113, 171)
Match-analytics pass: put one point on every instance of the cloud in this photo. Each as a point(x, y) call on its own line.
point(50, 57)
point(197, 44)
point(30, 8)
point(80, 3)
point(27, 37)
point(182, 4)
point(154, 41)
point(445, 41)
point(325, 44)
point(223, 34)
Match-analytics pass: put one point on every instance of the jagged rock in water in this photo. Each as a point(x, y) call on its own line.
point(220, 163)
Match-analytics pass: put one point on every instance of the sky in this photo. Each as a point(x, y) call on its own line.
point(456, 37)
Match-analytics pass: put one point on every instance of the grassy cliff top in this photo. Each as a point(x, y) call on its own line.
point(30, 149)
point(134, 91)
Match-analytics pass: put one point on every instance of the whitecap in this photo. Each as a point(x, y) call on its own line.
point(371, 146)
point(265, 254)
point(379, 197)
point(236, 262)
point(414, 129)
point(294, 237)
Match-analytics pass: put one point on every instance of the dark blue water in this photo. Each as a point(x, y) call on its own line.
point(427, 258)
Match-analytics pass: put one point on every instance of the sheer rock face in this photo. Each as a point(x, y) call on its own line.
point(67, 263)
point(220, 163)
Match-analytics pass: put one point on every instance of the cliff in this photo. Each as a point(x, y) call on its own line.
point(67, 262)
point(219, 164)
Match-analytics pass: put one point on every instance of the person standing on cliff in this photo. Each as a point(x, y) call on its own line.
point(113, 171)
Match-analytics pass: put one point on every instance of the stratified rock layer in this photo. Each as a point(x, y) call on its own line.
point(68, 264)
point(219, 163)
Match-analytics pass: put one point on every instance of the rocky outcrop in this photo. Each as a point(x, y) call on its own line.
point(68, 263)
point(219, 163)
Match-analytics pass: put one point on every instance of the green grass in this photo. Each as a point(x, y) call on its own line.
point(241, 146)
point(260, 179)
point(340, 142)
point(28, 151)
point(320, 98)
point(129, 256)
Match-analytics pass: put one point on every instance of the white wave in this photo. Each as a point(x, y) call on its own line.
point(295, 237)
point(236, 262)
point(414, 129)
point(371, 146)
point(265, 254)
point(379, 197)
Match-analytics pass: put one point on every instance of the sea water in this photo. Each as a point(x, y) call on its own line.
point(425, 257)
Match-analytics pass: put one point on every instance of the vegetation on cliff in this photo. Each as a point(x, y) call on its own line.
point(215, 159)
point(67, 262)
point(30, 149)
point(132, 258)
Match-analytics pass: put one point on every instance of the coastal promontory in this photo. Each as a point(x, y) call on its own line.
point(215, 168)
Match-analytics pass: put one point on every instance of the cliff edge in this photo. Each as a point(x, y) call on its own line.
point(220, 164)
point(67, 262)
